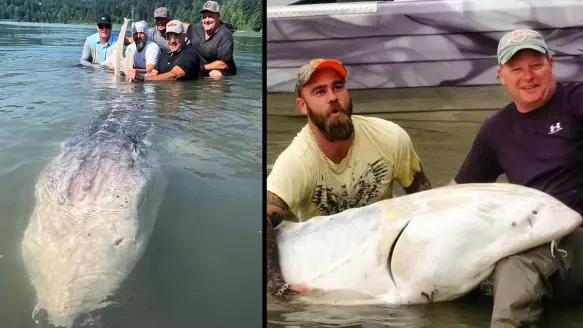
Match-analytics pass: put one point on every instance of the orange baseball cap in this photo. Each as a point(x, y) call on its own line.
point(312, 66)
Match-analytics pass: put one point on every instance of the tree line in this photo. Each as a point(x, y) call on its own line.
point(242, 14)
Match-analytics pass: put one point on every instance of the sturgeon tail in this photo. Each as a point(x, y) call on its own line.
point(118, 68)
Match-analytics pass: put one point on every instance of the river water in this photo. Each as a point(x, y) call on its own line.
point(442, 124)
point(202, 266)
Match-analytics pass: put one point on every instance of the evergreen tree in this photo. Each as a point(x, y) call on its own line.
point(242, 14)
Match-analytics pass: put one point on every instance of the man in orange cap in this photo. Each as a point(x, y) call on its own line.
point(336, 162)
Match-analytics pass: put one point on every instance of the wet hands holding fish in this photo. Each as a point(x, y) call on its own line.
point(335, 153)
point(180, 62)
point(172, 50)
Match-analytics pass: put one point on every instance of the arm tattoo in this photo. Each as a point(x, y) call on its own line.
point(420, 183)
point(277, 211)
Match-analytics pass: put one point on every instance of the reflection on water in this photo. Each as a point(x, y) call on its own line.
point(452, 314)
point(209, 136)
point(442, 132)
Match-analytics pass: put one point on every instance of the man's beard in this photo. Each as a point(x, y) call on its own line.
point(140, 45)
point(334, 129)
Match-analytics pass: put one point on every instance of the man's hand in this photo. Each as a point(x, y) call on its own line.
point(277, 211)
point(108, 63)
point(285, 289)
point(132, 75)
point(300, 289)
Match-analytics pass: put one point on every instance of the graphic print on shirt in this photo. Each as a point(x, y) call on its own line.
point(367, 187)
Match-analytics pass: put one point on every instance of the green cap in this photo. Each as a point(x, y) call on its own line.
point(517, 40)
point(312, 66)
point(211, 6)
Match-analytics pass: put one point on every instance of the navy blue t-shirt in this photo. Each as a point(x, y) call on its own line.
point(542, 149)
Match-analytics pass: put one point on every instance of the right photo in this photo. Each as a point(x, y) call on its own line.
point(423, 163)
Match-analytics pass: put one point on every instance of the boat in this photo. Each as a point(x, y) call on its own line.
point(415, 43)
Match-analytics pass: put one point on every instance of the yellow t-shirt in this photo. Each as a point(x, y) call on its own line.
point(312, 185)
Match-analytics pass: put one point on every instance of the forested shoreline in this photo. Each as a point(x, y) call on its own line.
point(244, 15)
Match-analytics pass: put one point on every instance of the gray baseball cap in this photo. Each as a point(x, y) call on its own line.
point(211, 6)
point(161, 12)
point(517, 40)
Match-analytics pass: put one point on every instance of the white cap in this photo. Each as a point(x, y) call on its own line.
point(175, 26)
point(141, 26)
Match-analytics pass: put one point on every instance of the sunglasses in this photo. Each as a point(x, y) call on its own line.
point(170, 37)
point(104, 26)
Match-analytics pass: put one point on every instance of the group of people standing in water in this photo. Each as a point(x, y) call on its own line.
point(171, 50)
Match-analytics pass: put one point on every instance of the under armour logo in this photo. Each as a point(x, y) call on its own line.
point(207, 5)
point(555, 128)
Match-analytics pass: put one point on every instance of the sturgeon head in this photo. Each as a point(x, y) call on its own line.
point(457, 234)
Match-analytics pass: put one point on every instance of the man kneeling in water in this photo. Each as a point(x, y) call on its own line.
point(536, 142)
point(145, 52)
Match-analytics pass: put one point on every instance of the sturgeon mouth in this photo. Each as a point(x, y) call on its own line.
point(389, 260)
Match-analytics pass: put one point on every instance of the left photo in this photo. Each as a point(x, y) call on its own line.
point(131, 164)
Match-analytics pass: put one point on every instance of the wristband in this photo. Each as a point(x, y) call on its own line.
point(282, 289)
point(141, 78)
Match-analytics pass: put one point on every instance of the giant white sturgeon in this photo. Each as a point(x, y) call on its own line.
point(96, 205)
point(426, 247)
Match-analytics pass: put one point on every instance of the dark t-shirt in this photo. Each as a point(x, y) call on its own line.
point(542, 149)
point(218, 47)
point(186, 59)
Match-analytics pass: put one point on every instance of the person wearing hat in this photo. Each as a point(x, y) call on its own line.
point(537, 141)
point(180, 62)
point(145, 52)
point(336, 162)
point(158, 32)
point(213, 42)
point(98, 46)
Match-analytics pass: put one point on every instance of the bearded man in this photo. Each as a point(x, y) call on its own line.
point(336, 162)
point(146, 52)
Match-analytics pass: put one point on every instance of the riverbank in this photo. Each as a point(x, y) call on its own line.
point(241, 32)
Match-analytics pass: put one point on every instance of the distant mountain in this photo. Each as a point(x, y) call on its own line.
point(244, 15)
